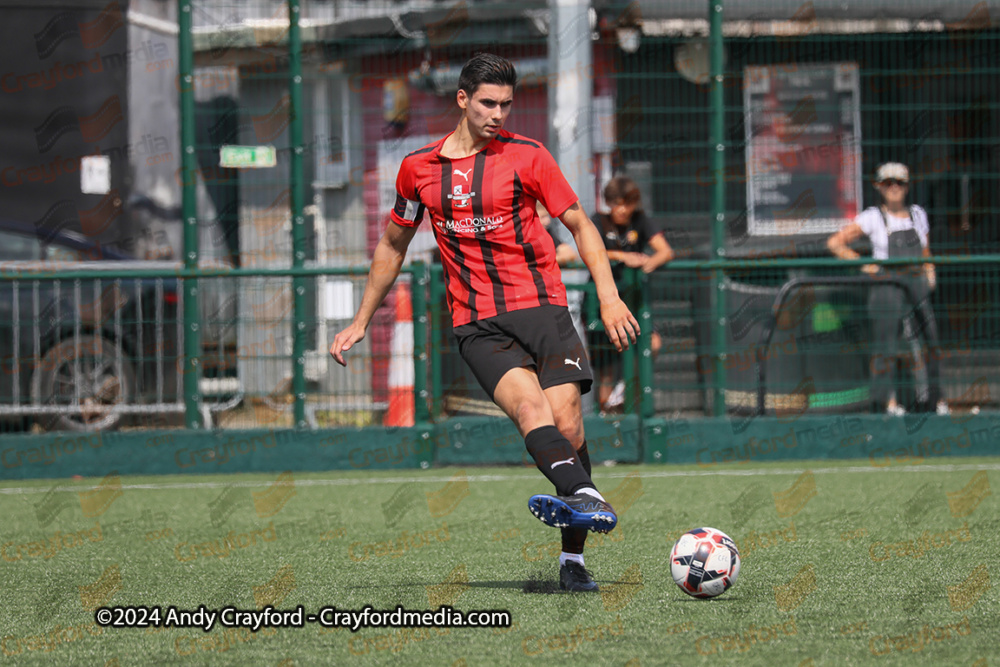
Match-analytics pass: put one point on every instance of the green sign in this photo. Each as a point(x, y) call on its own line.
point(247, 157)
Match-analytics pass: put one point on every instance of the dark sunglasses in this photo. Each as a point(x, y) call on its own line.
point(895, 181)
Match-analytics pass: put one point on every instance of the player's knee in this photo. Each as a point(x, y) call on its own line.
point(530, 414)
point(571, 427)
point(573, 432)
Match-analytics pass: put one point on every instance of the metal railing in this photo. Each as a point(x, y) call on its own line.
point(246, 357)
point(90, 342)
point(341, 103)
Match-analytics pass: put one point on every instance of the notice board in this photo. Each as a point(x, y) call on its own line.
point(803, 148)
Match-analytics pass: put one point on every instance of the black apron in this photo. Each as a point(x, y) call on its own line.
point(888, 306)
point(903, 243)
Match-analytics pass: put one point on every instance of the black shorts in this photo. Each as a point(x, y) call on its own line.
point(543, 339)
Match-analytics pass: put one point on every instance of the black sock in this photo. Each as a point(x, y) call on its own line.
point(557, 460)
point(573, 539)
point(584, 457)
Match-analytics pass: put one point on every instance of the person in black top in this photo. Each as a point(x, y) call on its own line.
point(626, 231)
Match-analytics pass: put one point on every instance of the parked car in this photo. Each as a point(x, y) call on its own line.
point(84, 354)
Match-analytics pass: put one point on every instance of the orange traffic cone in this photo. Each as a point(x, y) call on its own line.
point(402, 409)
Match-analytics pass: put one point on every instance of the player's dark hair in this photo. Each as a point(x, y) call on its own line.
point(623, 189)
point(486, 68)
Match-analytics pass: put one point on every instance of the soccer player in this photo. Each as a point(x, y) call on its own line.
point(508, 304)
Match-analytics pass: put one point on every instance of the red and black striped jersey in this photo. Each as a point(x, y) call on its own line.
point(497, 256)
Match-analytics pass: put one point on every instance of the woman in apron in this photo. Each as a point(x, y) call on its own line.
point(896, 230)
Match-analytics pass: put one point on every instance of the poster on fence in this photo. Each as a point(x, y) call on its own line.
point(803, 150)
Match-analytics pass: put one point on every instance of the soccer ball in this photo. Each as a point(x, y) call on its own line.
point(705, 562)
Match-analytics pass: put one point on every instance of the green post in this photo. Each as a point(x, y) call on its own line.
point(646, 406)
point(628, 355)
point(298, 216)
point(189, 169)
point(591, 322)
point(419, 299)
point(717, 140)
point(628, 377)
point(437, 298)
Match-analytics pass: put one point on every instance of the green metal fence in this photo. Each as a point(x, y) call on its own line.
point(340, 101)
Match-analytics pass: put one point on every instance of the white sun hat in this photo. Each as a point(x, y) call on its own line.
point(895, 170)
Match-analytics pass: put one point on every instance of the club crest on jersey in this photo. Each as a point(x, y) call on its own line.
point(460, 199)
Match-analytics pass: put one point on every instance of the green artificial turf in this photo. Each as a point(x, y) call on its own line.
point(843, 564)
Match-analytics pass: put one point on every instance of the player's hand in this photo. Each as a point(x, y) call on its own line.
point(871, 269)
point(345, 340)
point(619, 323)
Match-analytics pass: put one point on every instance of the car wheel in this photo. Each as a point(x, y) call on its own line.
point(95, 368)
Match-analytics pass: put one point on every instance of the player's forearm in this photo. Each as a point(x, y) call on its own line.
point(386, 265)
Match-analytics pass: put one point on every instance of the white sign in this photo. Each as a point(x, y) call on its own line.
point(604, 129)
point(338, 300)
point(803, 148)
point(95, 174)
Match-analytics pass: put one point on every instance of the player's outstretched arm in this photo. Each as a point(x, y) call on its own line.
point(386, 264)
point(619, 322)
